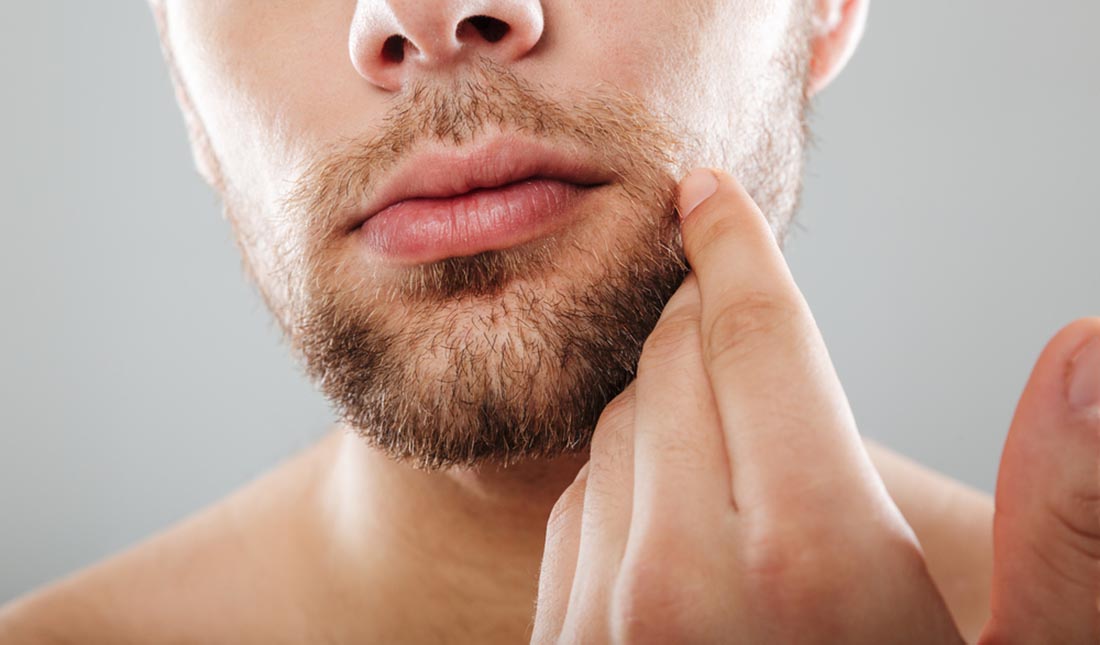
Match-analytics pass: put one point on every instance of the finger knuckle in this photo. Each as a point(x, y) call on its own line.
point(609, 451)
point(787, 565)
point(1077, 517)
point(670, 341)
point(801, 572)
point(566, 512)
point(1070, 534)
point(654, 600)
point(681, 455)
point(707, 229)
point(619, 412)
point(1080, 513)
point(742, 326)
point(610, 446)
point(792, 575)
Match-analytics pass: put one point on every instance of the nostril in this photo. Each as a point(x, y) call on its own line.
point(489, 28)
point(393, 50)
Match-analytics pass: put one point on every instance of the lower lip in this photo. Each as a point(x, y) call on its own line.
point(418, 231)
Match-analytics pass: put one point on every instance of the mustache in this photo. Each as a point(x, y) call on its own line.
point(636, 144)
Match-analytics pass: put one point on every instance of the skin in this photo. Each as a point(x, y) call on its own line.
point(761, 512)
point(741, 528)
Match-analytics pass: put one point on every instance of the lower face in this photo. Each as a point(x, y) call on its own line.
point(503, 343)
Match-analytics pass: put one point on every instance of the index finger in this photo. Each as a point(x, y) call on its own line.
point(788, 428)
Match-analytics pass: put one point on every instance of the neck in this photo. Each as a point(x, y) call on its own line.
point(471, 538)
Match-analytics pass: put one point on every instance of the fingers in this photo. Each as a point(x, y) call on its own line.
point(818, 537)
point(681, 473)
point(1046, 572)
point(679, 550)
point(789, 432)
point(605, 519)
point(559, 560)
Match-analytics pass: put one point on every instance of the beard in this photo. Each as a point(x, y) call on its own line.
point(507, 355)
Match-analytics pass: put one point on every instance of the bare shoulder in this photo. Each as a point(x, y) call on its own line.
point(954, 524)
point(132, 596)
point(177, 586)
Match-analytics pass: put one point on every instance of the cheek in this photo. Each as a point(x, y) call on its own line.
point(699, 62)
point(269, 82)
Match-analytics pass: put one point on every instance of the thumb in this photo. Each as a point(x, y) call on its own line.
point(1046, 536)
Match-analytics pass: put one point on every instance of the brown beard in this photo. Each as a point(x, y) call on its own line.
point(511, 354)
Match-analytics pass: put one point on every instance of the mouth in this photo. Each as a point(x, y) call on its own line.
point(451, 203)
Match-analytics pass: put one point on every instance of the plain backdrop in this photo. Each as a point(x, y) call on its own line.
point(949, 229)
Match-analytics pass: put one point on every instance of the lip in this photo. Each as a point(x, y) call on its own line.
point(458, 201)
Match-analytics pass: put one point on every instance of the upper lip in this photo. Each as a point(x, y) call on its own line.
point(441, 173)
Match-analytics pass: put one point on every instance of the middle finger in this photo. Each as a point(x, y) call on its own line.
point(681, 472)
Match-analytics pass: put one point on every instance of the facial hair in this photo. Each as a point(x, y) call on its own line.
point(511, 354)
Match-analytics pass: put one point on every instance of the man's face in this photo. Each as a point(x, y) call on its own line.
point(442, 333)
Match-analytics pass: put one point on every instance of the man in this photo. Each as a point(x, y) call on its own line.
point(466, 218)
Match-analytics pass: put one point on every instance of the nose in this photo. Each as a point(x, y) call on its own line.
point(391, 41)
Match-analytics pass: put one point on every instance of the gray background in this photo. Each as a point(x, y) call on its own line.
point(950, 228)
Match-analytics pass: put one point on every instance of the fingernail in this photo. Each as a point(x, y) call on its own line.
point(695, 189)
point(1084, 380)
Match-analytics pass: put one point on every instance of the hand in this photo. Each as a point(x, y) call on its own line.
point(728, 497)
point(1046, 538)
